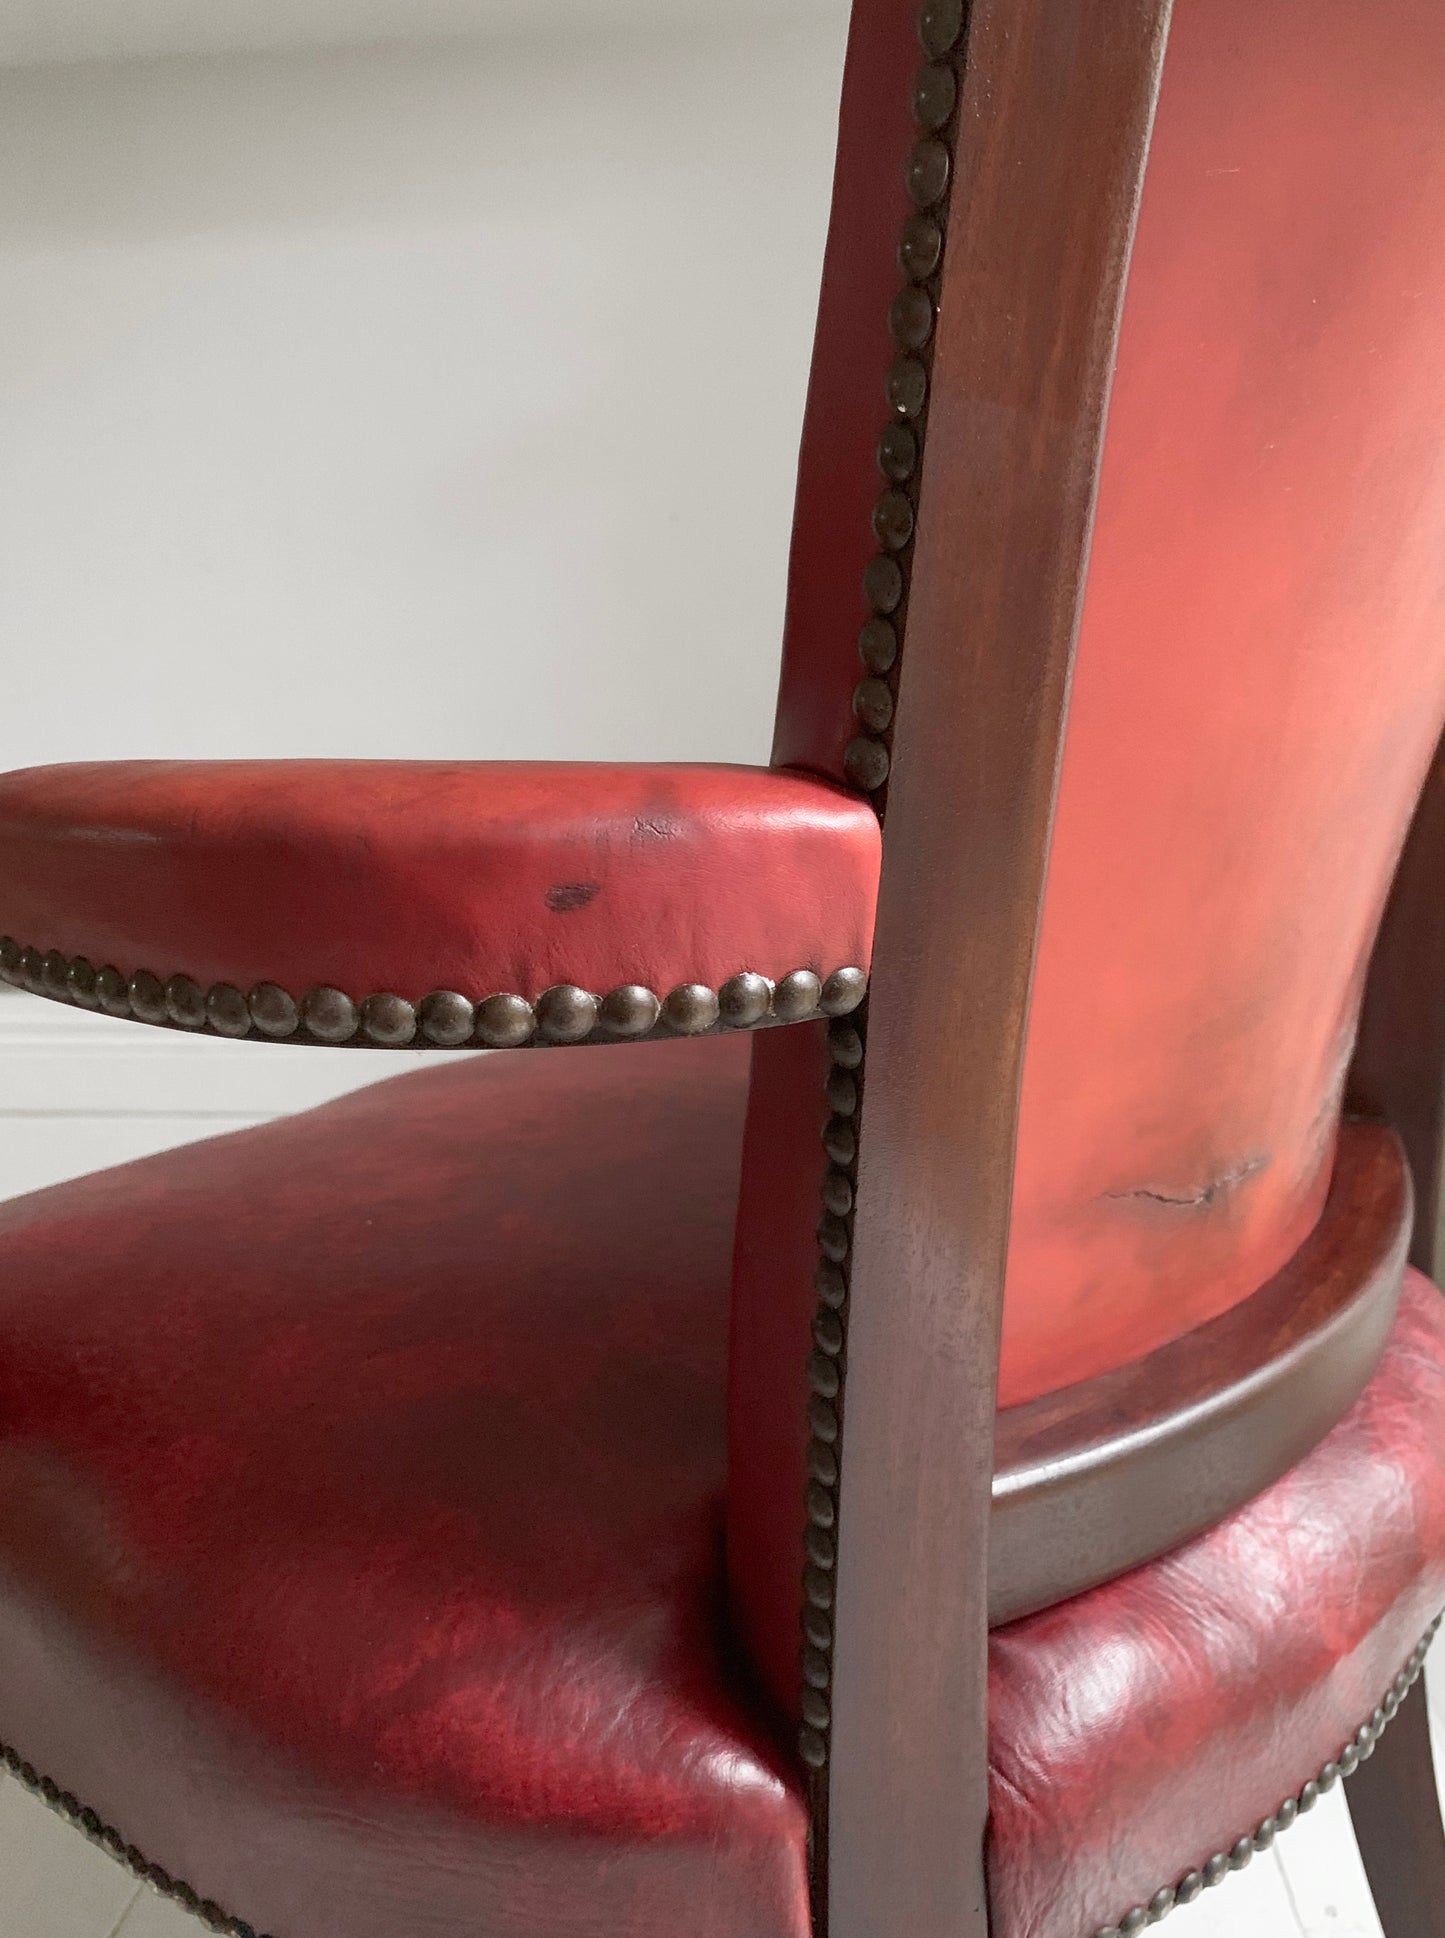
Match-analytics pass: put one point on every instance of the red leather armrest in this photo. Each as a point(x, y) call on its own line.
point(386, 902)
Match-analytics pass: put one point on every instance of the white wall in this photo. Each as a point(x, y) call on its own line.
point(435, 398)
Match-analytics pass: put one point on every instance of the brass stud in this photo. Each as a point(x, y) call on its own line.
point(691, 1009)
point(1329, 1777)
point(893, 520)
point(446, 1018)
point(505, 1022)
point(823, 1376)
point(927, 173)
point(815, 1668)
point(832, 1238)
point(817, 1628)
point(845, 1045)
point(628, 1011)
point(112, 991)
point(898, 448)
point(55, 973)
point(1216, 1869)
point(1161, 1904)
point(935, 95)
point(883, 583)
point(866, 763)
point(744, 1000)
point(873, 705)
point(818, 1588)
point(812, 1747)
point(186, 1003)
point(388, 1021)
point(830, 1284)
point(226, 1010)
point(1349, 1760)
point(823, 1421)
point(910, 317)
point(1264, 1836)
point(32, 970)
point(838, 1192)
point(840, 1140)
point(828, 1332)
point(920, 248)
point(841, 1091)
point(273, 1011)
point(1240, 1856)
point(797, 996)
point(878, 645)
point(81, 980)
point(818, 1544)
point(1286, 1814)
point(1309, 1796)
point(566, 1014)
point(1133, 1922)
point(907, 386)
point(329, 1014)
point(815, 1709)
point(147, 997)
point(821, 1510)
point(940, 22)
point(822, 1463)
point(1189, 1887)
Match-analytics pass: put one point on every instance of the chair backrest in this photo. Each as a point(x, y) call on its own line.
point(1260, 682)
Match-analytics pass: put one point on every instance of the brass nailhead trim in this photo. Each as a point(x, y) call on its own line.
point(444, 1020)
point(912, 320)
point(126, 1855)
point(1360, 1747)
point(912, 317)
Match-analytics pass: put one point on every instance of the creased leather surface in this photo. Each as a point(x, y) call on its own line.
point(360, 1510)
point(1142, 1727)
point(409, 876)
point(360, 1514)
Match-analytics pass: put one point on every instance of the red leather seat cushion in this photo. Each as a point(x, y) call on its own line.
point(360, 1509)
point(360, 1501)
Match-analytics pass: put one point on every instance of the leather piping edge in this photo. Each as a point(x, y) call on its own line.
point(1358, 1750)
point(443, 1020)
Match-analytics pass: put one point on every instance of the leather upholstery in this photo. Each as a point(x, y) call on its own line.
point(1140, 1728)
point(405, 877)
point(360, 1510)
point(1260, 676)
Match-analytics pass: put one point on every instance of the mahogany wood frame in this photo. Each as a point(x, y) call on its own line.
point(1054, 129)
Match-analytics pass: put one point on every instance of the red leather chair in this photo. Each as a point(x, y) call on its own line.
point(511, 1499)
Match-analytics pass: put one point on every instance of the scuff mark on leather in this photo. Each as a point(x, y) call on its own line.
point(1199, 1199)
point(569, 896)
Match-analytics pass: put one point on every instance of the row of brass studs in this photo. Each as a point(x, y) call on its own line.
point(443, 1020)
point(114, 1845)
point(825, 1383)
point(912, 317)
point(1358, 1750)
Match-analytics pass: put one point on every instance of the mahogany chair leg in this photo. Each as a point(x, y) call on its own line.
point(1396, 1810)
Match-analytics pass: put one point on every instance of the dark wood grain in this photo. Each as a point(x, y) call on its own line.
point(1055, 124)
point(1399, 1073)
point(1100, 1477)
